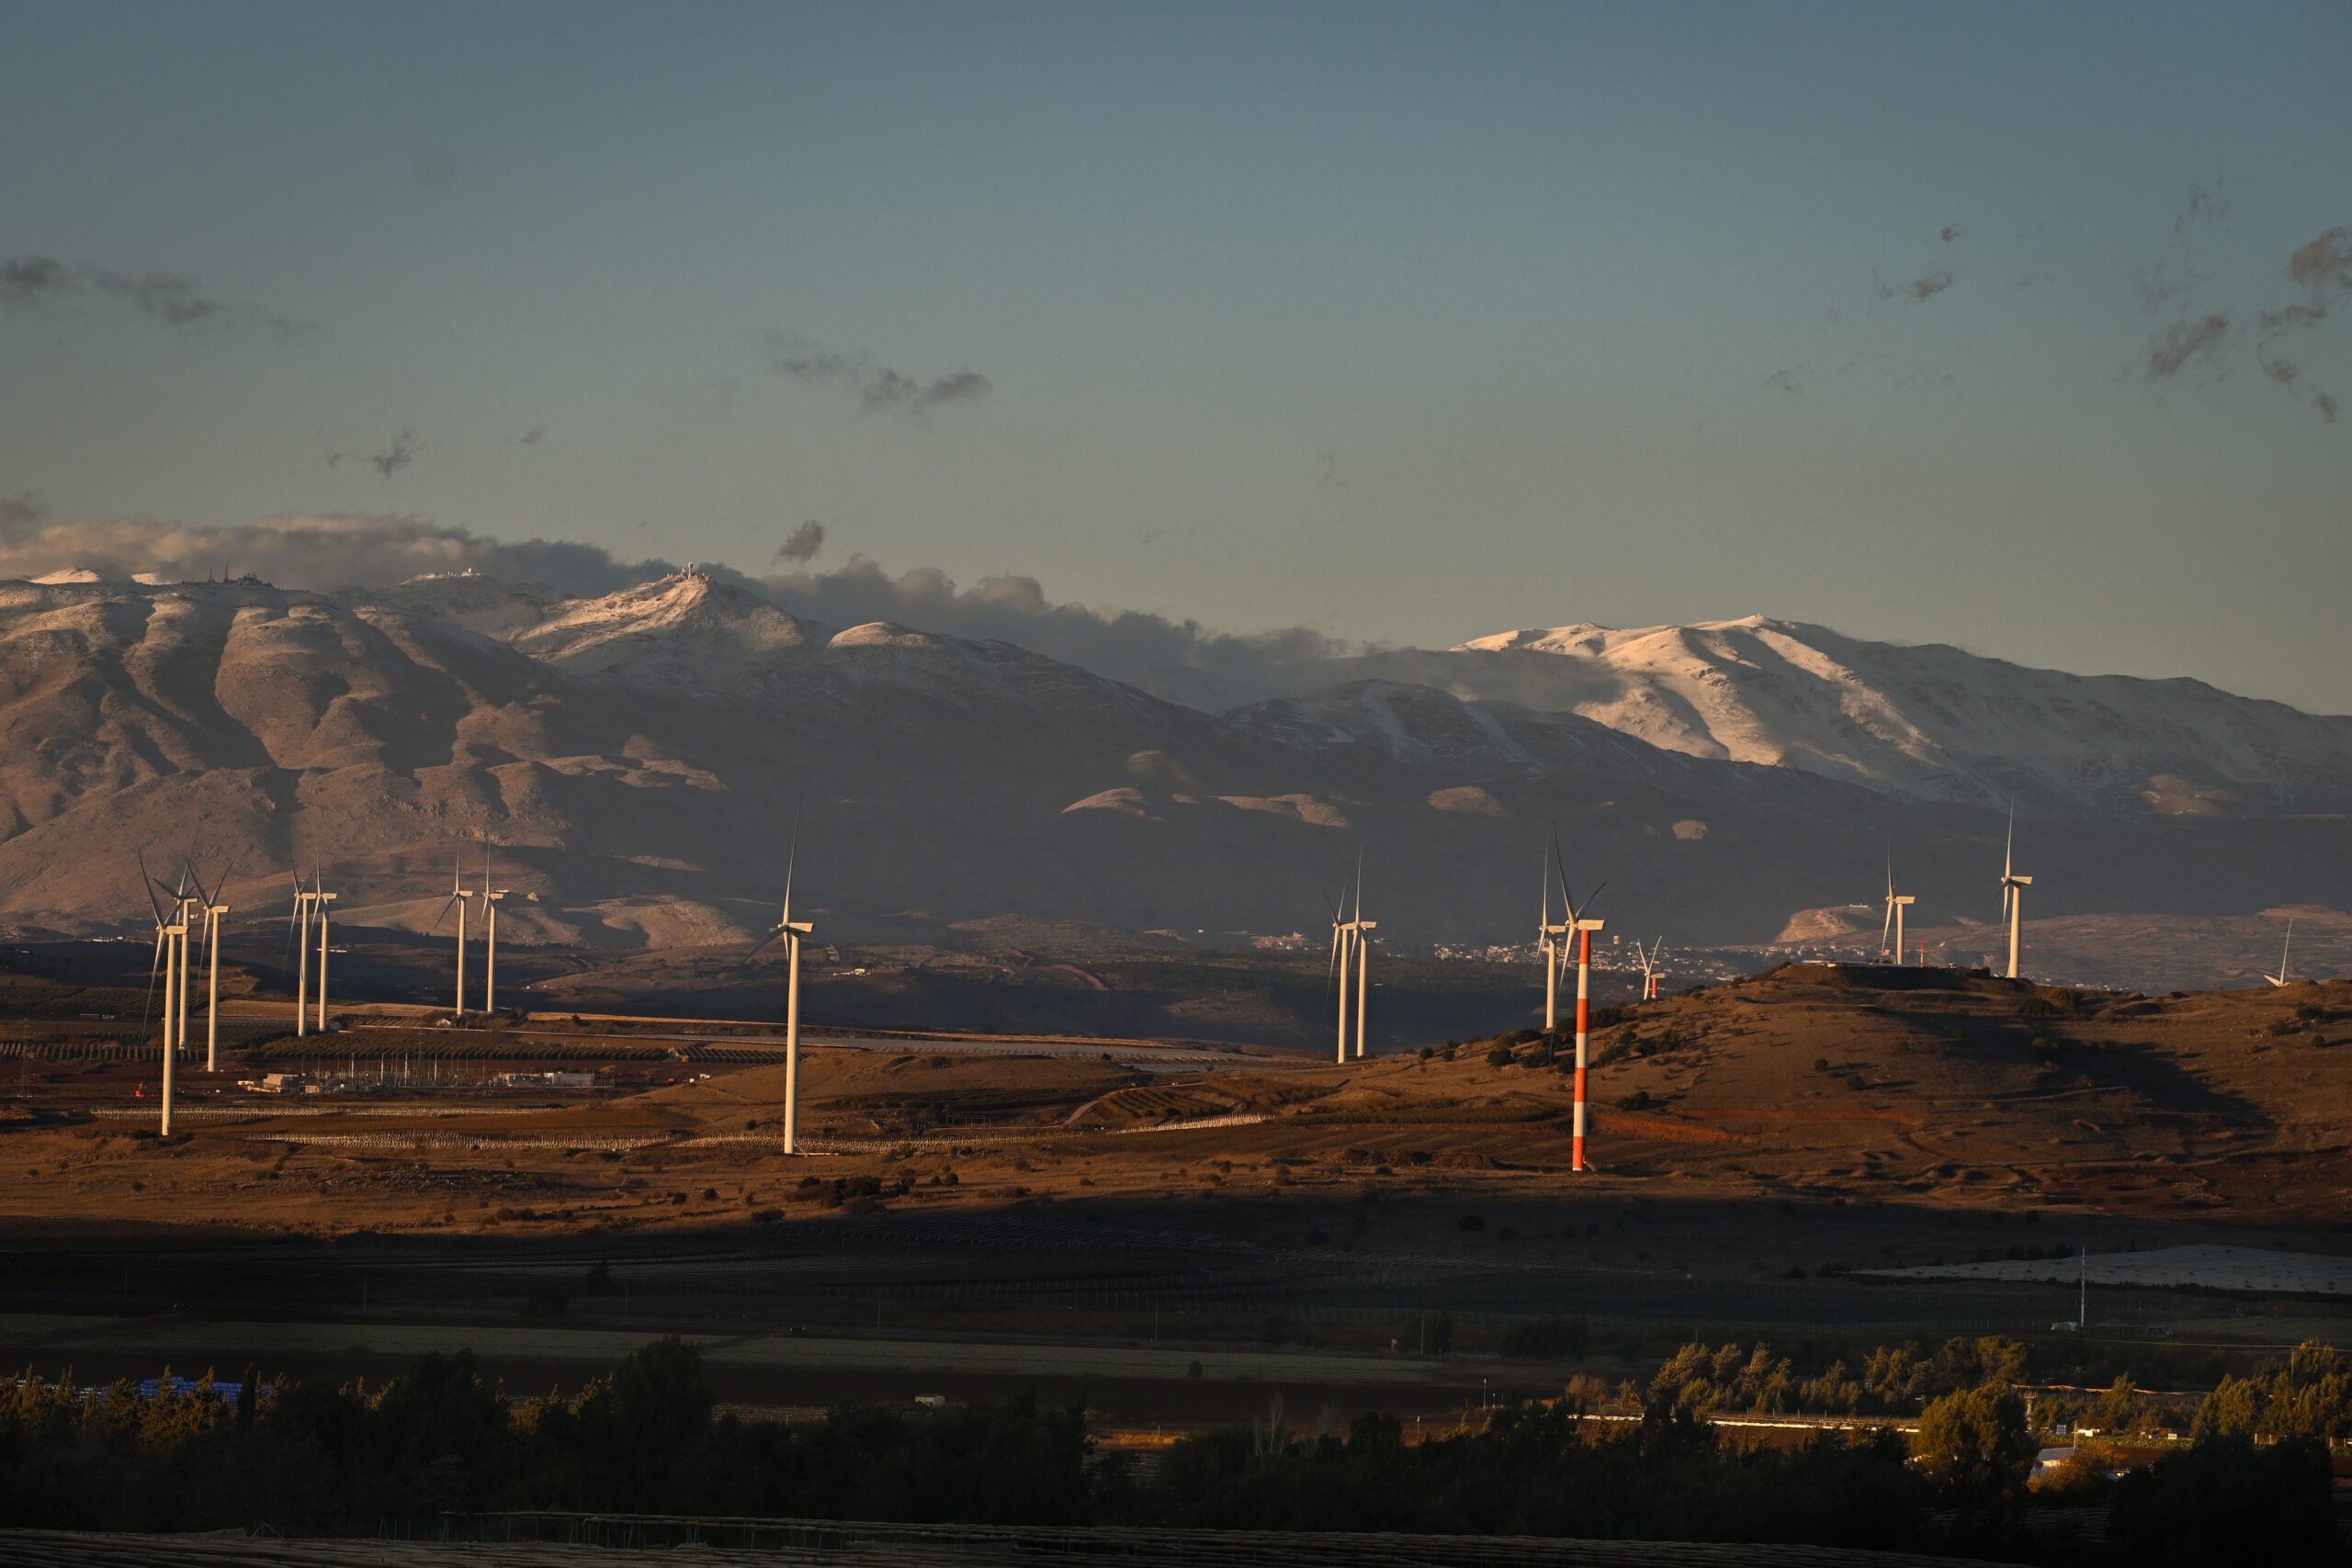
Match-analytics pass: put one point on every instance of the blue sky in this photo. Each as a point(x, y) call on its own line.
point(1407, 322)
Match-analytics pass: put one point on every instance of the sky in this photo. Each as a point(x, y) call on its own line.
point(2015, 326)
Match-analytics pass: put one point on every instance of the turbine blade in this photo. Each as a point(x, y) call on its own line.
point(1567, 899)
point(1359, 883)
point(791, 863)
point(154, 966)
point(1886, 926)
point(148, 883)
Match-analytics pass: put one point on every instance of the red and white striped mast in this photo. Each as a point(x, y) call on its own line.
point(1584, 926)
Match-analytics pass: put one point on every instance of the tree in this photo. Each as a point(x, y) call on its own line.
point(2118, 1410)
point(1975, 1447)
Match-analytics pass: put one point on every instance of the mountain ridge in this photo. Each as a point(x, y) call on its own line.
point(639, 756)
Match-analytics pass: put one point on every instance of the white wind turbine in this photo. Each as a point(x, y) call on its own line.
point(458, 895)
point(1552, 940)
point(490, 900)
point(1895, 904)
point(319, 899)
point(1581, 922)
point(213, 910)
point(171, 934)
point(1652, 975)
point(789, 932)
point(1349, 938)
point(2279, 979)
point(2013, 888)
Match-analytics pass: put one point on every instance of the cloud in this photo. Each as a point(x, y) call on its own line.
point(2323, 268)
point(879, 389)
point(806, 541)
point(1920, 289)
point(373, 551)
point(402, 453)
point(319, 552)
point(36, 283)
point(20, 513)
point(2185, 343)
point(1126, 645)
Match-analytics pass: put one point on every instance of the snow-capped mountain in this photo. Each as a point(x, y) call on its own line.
point(1931, 723)
point(641, 756)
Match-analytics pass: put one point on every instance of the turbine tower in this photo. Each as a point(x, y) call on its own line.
point(1360, 926)
point(2286, 947)
point(490, 898)
point(1583, 925)
point(171, 932)
point(2013, 888)
point(789, 932)
point(1895, 904)
point(459, 894)
point(321, 897)
point(297, 931)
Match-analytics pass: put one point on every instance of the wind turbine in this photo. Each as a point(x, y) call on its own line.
point(1895, 904)
point(1580, 922)
point(459, 894)
point(490, 898)
point(1652, 975)
point(321, 898)
point(2013, 888)
point(1550, 940)
point(790, 931)
point(171, 931)
point(2280, 979)
point(213, 911)
point(1348, 936)
point(297, 933)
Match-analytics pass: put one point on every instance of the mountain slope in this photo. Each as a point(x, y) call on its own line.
point(1931, 723)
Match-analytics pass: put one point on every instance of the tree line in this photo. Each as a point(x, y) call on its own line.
point(314, 1456)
